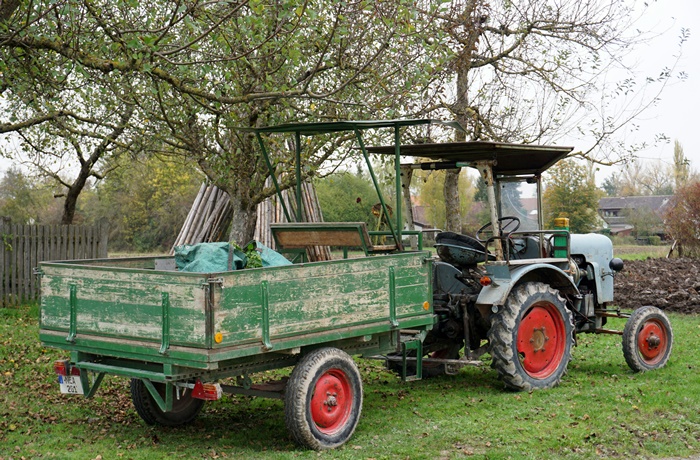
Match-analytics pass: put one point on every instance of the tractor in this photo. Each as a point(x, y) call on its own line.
point(516, 290)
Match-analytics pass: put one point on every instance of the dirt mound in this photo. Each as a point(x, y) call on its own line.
point(670, 284)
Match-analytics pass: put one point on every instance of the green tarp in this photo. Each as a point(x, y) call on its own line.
point(221, 257)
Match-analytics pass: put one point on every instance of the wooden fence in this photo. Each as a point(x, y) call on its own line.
point(22, 247)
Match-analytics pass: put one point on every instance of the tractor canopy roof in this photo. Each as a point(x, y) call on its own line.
point(507, 159)
point(314, 128)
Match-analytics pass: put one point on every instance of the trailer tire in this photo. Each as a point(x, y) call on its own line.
point(647, 339)
point(185, 409)
point(530, 338)
point(323, 399)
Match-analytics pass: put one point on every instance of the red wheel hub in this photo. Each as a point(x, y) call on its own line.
point(541, 340)
point(331, 403)
point(652, 341)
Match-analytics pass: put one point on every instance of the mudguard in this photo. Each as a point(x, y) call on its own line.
point(505, 279)
point(597, 251)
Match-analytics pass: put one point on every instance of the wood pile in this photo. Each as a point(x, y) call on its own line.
point(208, 219)
point(211, 215)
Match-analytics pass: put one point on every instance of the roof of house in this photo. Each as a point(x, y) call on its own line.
point(655, 202)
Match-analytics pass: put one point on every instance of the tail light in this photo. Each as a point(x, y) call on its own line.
point(207, 391)
point(63, 367)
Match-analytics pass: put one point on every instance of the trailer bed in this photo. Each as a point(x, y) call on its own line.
point(128, 309)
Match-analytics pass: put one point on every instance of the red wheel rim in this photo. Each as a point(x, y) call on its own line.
point(652, 341)
point(541, 340)
point(331, 403)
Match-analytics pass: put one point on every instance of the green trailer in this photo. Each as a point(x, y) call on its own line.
point(176, 334)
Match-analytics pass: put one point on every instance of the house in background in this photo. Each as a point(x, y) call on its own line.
point(624, 213)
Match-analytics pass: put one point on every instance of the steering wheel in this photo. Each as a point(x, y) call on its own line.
point(486, 232)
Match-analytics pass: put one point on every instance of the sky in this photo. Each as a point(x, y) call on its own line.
point(675, 116)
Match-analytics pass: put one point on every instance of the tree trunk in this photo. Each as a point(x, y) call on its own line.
point(71, 202)
point(453, 214)
point(244, 217)
point(406, 176)
point(86, 166)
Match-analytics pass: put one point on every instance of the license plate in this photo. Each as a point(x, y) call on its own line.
point(70, 384)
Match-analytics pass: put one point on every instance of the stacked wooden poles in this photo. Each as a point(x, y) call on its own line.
point(211, 215)
point(208, 219)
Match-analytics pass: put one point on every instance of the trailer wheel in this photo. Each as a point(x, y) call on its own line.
point(185, 409)
point(531, 337)
point(323, 399)
point(647, 339)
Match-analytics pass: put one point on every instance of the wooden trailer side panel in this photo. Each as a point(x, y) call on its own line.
point(128, 304)
point(264, 305)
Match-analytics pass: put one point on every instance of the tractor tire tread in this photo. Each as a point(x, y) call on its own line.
point(501, 337)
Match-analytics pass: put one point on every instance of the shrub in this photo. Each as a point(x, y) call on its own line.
point(683, 220)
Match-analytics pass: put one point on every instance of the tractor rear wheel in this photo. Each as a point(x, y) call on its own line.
point(531, 337)
point(647, 339)
point(323, 399)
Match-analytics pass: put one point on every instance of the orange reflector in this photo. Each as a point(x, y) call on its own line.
point(426, 305)
point(485, 281)
point(207, 391)
point(218, 337)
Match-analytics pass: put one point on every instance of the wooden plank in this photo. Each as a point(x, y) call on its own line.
point(39, 244)
point(86, 245)
point(34, 242)
point(301, 239)
point(48, 247)
point(4, 260)
point(104, 239)
point(70, 240)
point(62, 238)
point(325, 296)
point(92, 247)
point(15, 262)
point(125, 303)
point(26, 262)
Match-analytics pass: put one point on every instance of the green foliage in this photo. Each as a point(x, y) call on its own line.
point(145, 203)
point(253, 259)
point(654, 240)
point(570, 192)
point(347, 197)
point(612, 185)
point(646, 222)
point(24, 201)
point(181, 77)
point(430, 188)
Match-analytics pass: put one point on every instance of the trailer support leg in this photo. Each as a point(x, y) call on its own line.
point(416, 345)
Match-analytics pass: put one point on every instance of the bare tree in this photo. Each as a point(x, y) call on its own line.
point(535, 72)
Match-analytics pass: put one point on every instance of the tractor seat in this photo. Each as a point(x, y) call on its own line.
point(460, 250)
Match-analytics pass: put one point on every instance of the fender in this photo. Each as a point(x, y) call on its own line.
point(504, 280)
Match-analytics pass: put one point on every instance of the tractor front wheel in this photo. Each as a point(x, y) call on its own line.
point(323, 399)
point(531, 337)
point(647, 339)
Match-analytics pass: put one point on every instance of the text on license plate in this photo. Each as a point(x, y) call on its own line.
point(70, 384)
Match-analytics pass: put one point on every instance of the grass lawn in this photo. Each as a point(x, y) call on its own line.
point(601, 409)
